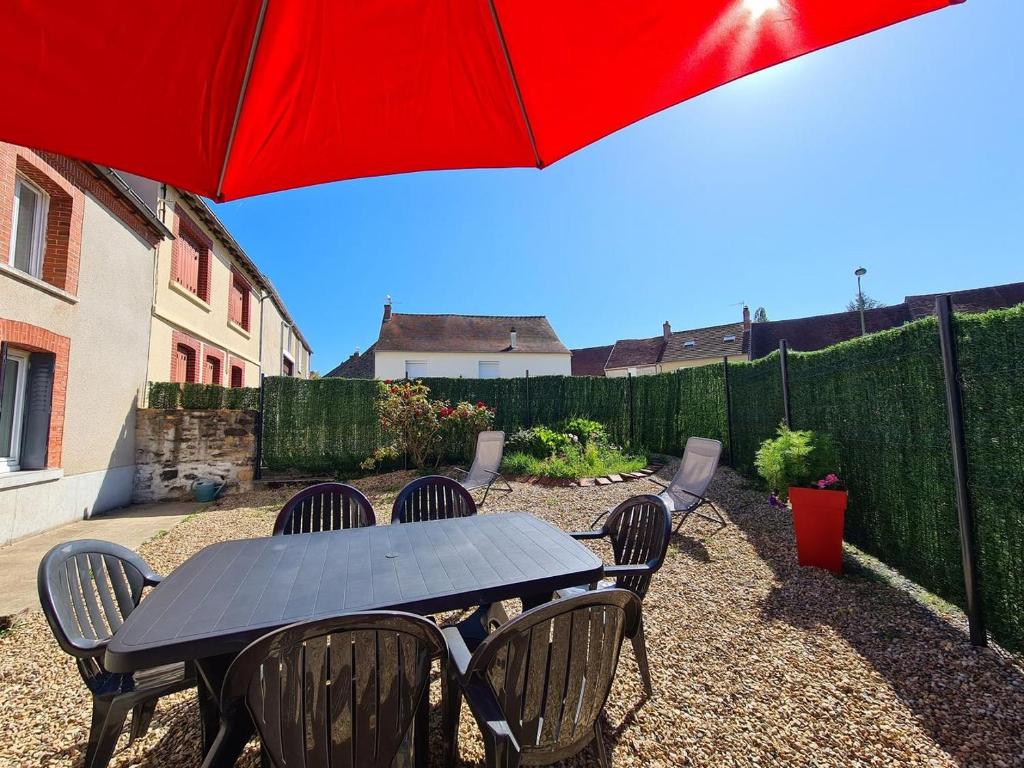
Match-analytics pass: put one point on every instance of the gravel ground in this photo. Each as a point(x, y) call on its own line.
point(756, 662)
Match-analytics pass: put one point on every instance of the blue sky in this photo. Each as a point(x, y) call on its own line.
point(902, 151)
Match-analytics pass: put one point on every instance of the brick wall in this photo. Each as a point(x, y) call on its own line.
point(35, 339)
point(175, 448)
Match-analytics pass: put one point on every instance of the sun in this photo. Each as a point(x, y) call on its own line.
point(758, 8)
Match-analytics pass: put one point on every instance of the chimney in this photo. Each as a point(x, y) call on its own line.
point(387, 308)
point(666, 330)
point(513, 344)
point(746, 318)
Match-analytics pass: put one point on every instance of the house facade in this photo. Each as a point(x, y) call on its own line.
point(216, 318)
point(460, 346)
point(666, 353)
point(77, 255)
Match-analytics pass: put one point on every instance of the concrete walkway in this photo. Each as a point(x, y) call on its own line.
point(130, 527)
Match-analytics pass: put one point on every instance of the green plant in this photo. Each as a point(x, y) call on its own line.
point(795, 458)
point(574, 463)
point(242, 398)
point(164, 394)
point(460, 426)
point(587, 430)
point(202, 397)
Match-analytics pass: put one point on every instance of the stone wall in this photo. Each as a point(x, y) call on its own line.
point(175, 448)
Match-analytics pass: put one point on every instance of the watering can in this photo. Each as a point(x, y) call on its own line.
point(206, 490)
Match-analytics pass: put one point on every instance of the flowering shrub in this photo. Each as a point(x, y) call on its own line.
point(423, 428)
point(795, 458)
point(588, 431)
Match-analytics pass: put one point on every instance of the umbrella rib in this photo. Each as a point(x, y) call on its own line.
point(241, 94)
point(515, 83)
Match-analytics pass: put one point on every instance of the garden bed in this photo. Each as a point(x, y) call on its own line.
point(587, 482)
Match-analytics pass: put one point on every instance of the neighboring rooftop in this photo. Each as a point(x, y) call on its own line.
point(714, 341)
point(590, 361)
point(358, 366)
point(806, 334)
point(468, 333)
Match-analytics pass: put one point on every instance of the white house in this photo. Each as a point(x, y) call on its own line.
point(459, 346)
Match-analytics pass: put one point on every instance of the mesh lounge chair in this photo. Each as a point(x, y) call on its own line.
point(490, 446)
point(433, 497)
point(639, 530)
point(686, 493)
point(87, 589)
point(537, 685)
point(324, 507)
point(349, 690)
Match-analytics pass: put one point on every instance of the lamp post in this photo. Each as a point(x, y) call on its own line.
point(860, 272)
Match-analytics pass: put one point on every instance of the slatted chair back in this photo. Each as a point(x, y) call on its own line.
point(639, 529)
point(324, 507)
point(490, 447)
point(432, 498)
point(342, 691)
point(696, 471)
point(87, 588)
point(551, 668)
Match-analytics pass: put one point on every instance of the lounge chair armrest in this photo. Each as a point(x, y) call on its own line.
point(657, 482)
point(458, 652)
point(460, 469)
point(492, 472)
point(598, 534)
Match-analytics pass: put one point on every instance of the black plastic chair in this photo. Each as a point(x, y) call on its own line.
point(350, 690)
point(639, 530)
point(434, 497)
point(325, 507)
point(87, 588)
point(537, 685)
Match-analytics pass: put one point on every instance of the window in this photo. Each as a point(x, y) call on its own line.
point(690, 343)
point(183, 368)
point(12, 409)
point(238, 301)
point(29, 227)
point(237, 376)
point(415, 369)
point(190, 265)
point(211, 374)
point(730, 337)
point(287, 368)
point(488, 370)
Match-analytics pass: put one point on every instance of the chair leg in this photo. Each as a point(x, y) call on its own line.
point(142, 716)
point(421, 738)
point(487, 489)
point(107, 723)
point(599, 748)
point(640, 652)
point(499, 752)
point(451, 708)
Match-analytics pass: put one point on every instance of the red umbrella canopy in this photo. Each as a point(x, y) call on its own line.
point(229, 99)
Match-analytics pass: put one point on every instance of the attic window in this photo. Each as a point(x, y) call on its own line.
point(730, 337)
point(690, 343)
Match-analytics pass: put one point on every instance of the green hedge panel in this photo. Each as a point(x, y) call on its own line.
point(755, 396)
point(991, 350)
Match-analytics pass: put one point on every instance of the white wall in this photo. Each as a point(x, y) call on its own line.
point(391, 365)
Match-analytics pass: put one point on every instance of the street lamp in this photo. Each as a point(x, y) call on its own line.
point(860, 272)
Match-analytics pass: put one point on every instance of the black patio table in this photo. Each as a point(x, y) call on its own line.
point(227, 595)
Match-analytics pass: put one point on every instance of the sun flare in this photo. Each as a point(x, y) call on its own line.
point(757, 8)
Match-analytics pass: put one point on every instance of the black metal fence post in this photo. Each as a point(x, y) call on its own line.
point(258, 469)
point(784, 364)
point(632, 410)
point(728, 409)
point(529, 407)
point(965, 514)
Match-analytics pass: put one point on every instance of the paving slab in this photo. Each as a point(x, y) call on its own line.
point(130, 527)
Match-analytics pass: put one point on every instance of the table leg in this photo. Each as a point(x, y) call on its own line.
point(221, 747)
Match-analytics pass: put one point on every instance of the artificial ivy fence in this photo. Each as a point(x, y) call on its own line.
point(202, 397)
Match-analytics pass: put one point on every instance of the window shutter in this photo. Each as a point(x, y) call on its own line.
point(3, 367)
point(38, 399)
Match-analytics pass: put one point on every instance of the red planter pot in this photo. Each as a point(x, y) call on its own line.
point(818, 522)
